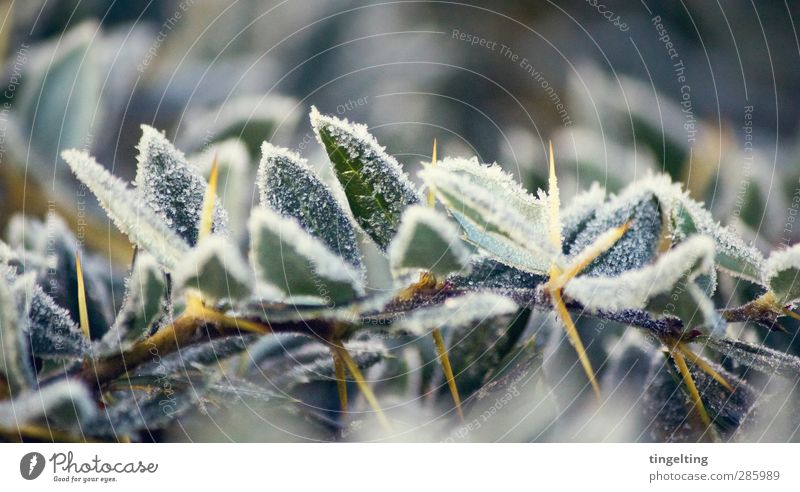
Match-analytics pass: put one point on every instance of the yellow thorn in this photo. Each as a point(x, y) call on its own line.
point(207, 219)
point(361, 383)
point(677, 356)
point(600, 245)
point(575, 339)
point(441, 350)
point(704, 366)
point(341, 381)
point(791, 314)
point(83, 312)
point(431, 193)
point(554, 204)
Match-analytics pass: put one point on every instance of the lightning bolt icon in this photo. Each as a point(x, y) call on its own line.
point(32, 464)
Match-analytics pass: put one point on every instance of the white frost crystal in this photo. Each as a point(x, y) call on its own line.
point(782, 274)
point(377, 188)
point(133, 217)
point(172, 187)
point(288, 185)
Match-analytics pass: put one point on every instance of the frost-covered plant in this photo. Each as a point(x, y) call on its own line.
point(472, 254)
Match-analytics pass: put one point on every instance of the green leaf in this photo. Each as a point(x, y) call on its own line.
point(511, 230)
point(249, 119)
point(150, 405)
point(580, 211)
point(59, 100)
point(667, 287)
point(299, 265)
point(428, 241)
point(376, 187)
point(758, 357)
point(143, 305)
point(782, 274)
point(289, 186)
point(732, 254)
point(16, 367)
point(51, 331)
point(467, 310)
point(215, 268)
point(172, 187)
point(637, 247)
point(486, 273)
point(234, 177)
point(124, 206)
point(64, 402)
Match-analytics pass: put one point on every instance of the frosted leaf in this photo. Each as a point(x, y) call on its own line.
point(57, 105)
point(167, 398)
point(495, 217)
point(667, 402)
point(251, 119)
point(134, 218)
point(289, 186)
point(758, 357)
point(51, 332)
point(172, 187)
point(637, 247)
point(210, 353)
point(61, 283)
point(580, 211)
point(376, 187)
point(427, 240)
point(16, 364)
point(667, 287)
point(486, 273)
point(732, 254)
point(467, 310)
point(301, 363)
point(64, 401)
point(215, 268)
point(234, 179)
point(499, 183)
point(782, 274)
point(300, 265)
point(143, 305)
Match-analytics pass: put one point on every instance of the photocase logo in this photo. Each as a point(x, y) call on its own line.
point(31, 466)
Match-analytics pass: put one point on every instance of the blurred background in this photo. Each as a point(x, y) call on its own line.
point(704, 91)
